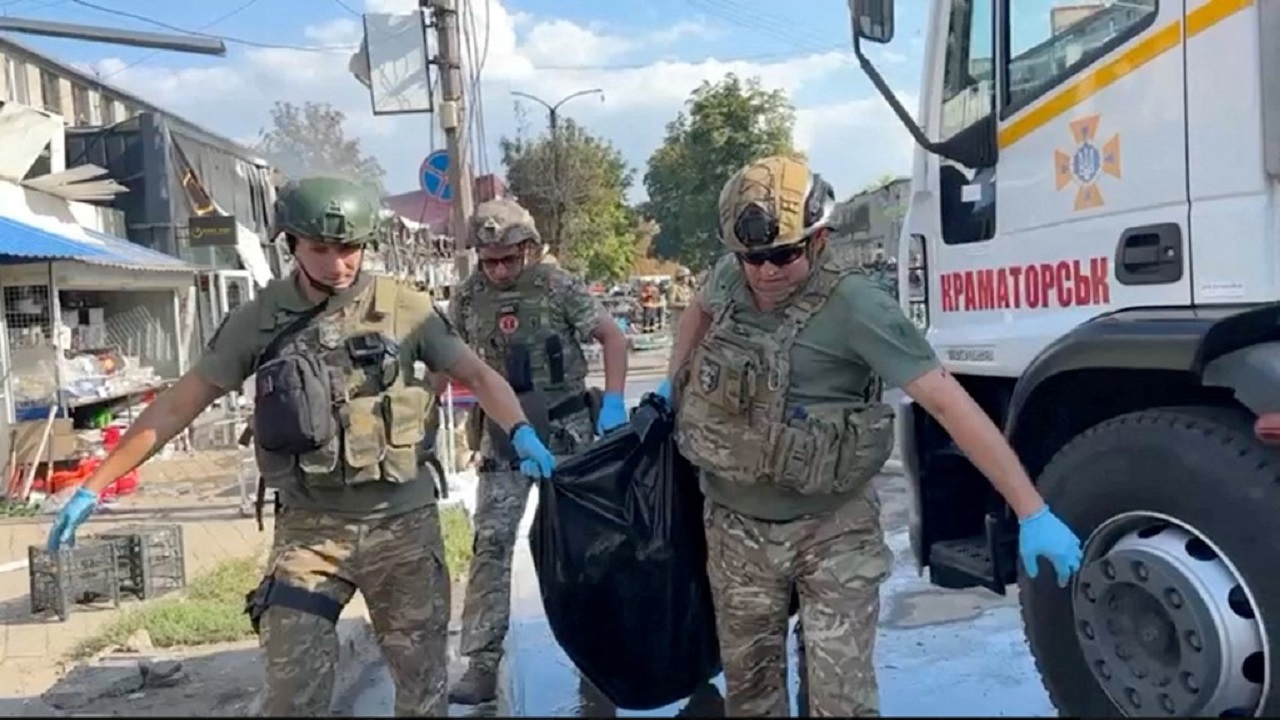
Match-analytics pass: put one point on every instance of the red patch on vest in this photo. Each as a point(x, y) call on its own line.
point(1267, 428)
point(508, 324)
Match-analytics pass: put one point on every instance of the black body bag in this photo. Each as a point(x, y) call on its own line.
point(620, 554)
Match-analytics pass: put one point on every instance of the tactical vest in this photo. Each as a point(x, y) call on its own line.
point(345, 378)
point(521, 334)
point(732, 415)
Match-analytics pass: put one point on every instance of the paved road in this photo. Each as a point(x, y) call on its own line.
point(940, 653)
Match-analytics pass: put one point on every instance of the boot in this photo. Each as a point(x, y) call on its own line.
point(478, 685)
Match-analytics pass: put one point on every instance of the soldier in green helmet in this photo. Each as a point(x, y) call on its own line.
point(521, 306)
point(343, 363)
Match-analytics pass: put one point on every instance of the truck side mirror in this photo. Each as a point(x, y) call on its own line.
point(872, 20)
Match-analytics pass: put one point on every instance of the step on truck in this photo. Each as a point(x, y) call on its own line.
point(1093, 244)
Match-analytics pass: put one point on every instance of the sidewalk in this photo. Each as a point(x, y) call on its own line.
point(194, 490)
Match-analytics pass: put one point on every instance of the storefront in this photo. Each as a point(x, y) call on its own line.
point(94, 327)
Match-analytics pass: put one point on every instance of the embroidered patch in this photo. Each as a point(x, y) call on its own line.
point(709, 375)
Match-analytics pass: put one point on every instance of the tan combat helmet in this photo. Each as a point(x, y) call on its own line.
point(502, 222)
point(773, 202)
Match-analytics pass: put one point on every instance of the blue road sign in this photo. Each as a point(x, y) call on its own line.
point(434, 176)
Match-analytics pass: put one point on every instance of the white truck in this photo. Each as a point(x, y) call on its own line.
point(1095, 209)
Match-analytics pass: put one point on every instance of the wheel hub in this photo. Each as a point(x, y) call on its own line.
point(1165, 624)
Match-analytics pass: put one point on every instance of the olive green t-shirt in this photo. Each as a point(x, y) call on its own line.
point(859, 331)
point(231, 357)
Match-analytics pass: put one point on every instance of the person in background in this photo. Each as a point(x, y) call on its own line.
point(777, 375)
point(518, 306)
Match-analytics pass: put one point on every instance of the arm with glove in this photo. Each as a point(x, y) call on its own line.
point(500, 403)
point(613, 408)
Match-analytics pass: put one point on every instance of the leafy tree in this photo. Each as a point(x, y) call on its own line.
point(581, 211)
point(646, 262)
point(724, 126)
point(311, 140)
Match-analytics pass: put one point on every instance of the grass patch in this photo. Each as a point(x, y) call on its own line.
point(458, 535)
point(211, 611)
point(212, 608)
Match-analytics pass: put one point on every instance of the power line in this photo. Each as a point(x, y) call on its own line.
point(225, 16)
point(346, 7)
point(224, 38)
point(782, 55)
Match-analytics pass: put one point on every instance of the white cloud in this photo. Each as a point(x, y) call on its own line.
point(850, 140)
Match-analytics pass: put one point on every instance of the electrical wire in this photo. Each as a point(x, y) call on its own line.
point(224, 38)
point(225, 16)
point(780, 55)
point(752, 18)
point(346, 7)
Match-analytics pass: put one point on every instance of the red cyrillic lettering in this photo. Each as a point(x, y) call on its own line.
point(1100, 280)
point(1065, 285)
point(1015, 283)
point(1002, 289)
point(1082, 294)
point(1032, 293)
point(970, 294)
point(986, 293)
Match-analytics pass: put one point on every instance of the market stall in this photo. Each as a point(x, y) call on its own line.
point(88, 342)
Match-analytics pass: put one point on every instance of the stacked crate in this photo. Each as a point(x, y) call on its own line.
point(145, 561)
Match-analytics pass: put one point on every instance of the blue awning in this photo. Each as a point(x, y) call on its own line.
point(28, 242)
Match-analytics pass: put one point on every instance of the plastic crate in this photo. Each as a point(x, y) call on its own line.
point(83, 574)
point(151, 558)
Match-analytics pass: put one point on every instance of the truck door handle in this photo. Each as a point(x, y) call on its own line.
point(1150, 255)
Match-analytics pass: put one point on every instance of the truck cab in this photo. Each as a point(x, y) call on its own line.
point(1091, 246)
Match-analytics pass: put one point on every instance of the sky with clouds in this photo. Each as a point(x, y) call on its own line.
point(646, 56)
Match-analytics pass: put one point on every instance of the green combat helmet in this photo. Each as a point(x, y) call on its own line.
point(328, 209)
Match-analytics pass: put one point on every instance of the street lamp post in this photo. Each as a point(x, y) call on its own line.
point(553, 118)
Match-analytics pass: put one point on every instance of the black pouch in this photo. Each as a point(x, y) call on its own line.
point(293, 403)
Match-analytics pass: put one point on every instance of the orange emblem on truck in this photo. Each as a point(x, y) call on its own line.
point(1083, 166)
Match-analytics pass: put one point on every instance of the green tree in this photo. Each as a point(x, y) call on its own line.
point(311, 140)
point(724, 126)
point(597, 229)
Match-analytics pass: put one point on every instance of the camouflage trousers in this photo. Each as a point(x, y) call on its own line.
point(836, 562)
point(398, 565)
point(501, 499)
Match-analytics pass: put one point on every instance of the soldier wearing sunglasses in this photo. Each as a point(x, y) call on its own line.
point(778, 371)
point(525, 316)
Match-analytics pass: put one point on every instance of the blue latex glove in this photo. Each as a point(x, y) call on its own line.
point(536, 460)
point(613, 413)
point(664, 390)
point(1044, 535)
point(71, 516)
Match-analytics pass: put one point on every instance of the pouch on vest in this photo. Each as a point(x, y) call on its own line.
point(837, 449)
point(293, 411)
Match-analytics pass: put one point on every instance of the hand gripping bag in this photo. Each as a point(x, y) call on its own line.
point(620, 555)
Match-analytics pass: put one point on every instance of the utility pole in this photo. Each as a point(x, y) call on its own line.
point(553, 120)
point(452, 114)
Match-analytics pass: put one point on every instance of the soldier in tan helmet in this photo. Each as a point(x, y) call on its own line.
point(778, 368)
point(521, 305)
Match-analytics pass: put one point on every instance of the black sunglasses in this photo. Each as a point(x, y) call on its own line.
point(778, 257)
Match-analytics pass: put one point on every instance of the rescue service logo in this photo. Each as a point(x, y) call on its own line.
point(1087, 163)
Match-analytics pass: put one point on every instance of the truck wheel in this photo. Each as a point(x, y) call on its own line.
point(1178, 594)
